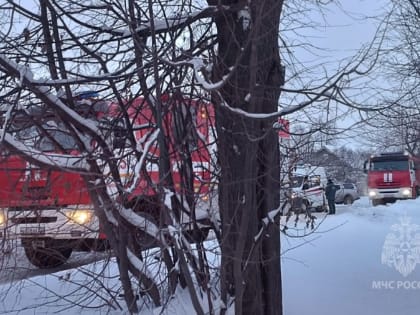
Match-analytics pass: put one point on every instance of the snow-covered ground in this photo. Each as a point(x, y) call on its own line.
point(350, 264)
point(360, 261)
point(14, 266)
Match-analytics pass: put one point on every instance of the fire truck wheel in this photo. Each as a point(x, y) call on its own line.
point(377, 202)
point(142, 239)
point(197, 235)
point(49, 256)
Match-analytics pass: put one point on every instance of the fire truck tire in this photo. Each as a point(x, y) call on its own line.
point(46, 257)
point(376, 202)
point(197, 236)
point(417, 191)
point(142, 239)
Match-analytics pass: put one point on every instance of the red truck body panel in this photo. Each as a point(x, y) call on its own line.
point(389, 179)
point(393, 176)
point(51, 210)
point(25, 185)
point(12, 171)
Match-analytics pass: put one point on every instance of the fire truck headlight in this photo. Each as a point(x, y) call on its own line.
point(372, 193)
point(406, 192)
point(80, 216)
point(3, 217)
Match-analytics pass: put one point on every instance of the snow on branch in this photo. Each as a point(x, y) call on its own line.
point(285, 111)
point(145, 151)
point(145, 225)
point(198, 66)
point(6, 119)
point(138, 264)
point(269, 219)
point(171, 23)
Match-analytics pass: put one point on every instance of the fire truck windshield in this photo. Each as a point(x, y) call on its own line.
point(49, 139)
point(399, 165)
point(56, 140)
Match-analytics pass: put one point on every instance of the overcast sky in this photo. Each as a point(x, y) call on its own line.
point(342, 31)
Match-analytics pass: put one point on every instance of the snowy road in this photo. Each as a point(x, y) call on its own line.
point(15, 266)
point(362, 261)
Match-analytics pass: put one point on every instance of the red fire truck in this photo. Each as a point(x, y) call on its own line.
point(392, 176)
point(51, 212)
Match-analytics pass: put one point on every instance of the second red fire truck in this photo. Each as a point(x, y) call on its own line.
point(392, 176)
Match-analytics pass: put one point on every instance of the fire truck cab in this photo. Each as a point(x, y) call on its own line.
point(392, 176)
point(51, 212)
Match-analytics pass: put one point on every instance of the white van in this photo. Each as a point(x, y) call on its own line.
point(306, 188)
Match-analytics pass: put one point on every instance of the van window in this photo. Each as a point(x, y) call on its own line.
point(314, 181)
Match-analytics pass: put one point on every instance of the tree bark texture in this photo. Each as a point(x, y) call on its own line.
point(248, 53)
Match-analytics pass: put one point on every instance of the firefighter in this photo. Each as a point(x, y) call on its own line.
point(305, 183)
point(330, 190)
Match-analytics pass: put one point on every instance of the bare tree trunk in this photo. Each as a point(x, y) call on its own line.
point(249, 155)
